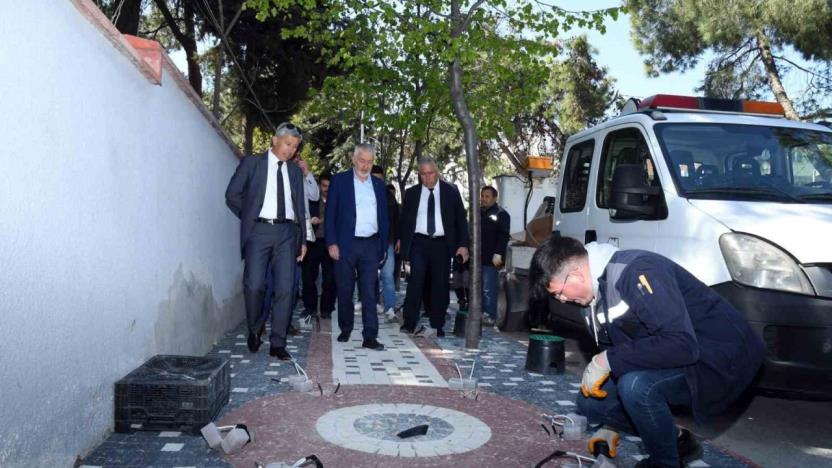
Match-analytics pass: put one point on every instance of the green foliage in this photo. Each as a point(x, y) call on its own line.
point(674, 35)
point(583, 91)
point(394, 57)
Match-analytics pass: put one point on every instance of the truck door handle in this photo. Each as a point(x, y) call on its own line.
point(590, 236)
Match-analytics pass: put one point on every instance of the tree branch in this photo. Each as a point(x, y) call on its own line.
point(810, 72)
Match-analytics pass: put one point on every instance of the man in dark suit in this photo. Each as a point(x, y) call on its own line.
point(356, 236)
point(434, 228)
point(318, 260)
point(266, 193)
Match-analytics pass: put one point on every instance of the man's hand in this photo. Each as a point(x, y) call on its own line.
point(608, 437)
point(497, 260)
point(398, 246)
point(303, 166)
point(463, 252)
point(595, 374)
point(315, 220)
point(333, 252)
point(302, 252)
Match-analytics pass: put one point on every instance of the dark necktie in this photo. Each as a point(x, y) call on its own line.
point(431, 214)
point(281, 202)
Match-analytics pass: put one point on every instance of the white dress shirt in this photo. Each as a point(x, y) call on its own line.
point(422, 214)
point(366, 208)
point(311, 192)
point(269, 209)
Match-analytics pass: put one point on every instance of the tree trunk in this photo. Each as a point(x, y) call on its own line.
point(773, 74)
point(249, 136)
point(187, 40)
point(473, 325)
point(129, 16)
point(194, 73)
point(215, 101)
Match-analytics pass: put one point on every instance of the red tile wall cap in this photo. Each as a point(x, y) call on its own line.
point(150, 52)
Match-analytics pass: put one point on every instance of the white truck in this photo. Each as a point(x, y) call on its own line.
point(735, 193)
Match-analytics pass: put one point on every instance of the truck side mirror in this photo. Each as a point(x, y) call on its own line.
point(630, 196)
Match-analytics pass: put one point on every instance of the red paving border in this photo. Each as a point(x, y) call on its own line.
point(284, 425)
point(284, 428)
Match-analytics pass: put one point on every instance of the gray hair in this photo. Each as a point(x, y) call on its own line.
point(427, 160)
point(365, 147)
point(288, 128)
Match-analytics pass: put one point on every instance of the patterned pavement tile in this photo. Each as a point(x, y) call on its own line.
point(411, 369)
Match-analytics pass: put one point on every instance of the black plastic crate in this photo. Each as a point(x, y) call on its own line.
point(176, 393)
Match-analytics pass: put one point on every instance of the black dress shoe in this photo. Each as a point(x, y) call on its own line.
point(343, 337)
point(372, 343)
point(440, 332)
point(406, 329)
point(280, 353)
point(253, 342)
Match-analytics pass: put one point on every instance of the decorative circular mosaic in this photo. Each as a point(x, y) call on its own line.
point(373, 429)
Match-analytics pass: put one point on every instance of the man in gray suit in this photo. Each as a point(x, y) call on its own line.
point(267, 194)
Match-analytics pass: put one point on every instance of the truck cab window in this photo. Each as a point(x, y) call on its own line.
point(576, 177)
point(624, 147)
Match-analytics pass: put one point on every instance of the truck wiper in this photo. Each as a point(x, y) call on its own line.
point(762, 190)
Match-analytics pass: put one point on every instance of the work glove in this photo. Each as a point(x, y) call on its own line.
point(595, 374)
point(604, 442)
point(497, 260)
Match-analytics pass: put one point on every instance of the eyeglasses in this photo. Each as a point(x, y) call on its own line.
point(559, 294)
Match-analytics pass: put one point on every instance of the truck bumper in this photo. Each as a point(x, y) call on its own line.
point(797, 331)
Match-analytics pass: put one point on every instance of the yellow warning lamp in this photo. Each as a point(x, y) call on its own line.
point(539, 166)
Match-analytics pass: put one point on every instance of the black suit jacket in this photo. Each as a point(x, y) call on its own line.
point(454, 218)
point(247, 189)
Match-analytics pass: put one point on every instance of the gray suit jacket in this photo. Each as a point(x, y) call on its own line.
point(247, 189)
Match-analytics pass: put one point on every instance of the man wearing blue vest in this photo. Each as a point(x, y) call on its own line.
point(666, 339)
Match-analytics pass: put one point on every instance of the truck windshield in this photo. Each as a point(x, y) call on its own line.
point(748, 162)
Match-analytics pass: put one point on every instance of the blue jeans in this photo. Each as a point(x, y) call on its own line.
point(639, 403)
point(388, 281)
point(489, 291)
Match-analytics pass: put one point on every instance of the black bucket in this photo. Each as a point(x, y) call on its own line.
point(546, 354)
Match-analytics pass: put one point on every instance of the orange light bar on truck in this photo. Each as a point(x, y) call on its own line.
point(762, 107)
point(670, 101)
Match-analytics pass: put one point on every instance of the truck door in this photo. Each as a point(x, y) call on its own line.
point(624, 145)
point(571, 217)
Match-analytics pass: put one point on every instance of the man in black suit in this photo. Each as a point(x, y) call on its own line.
point(317, 260)
point(267, 194)
point(434, 228)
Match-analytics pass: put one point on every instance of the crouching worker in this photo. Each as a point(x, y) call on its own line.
point(667, 340)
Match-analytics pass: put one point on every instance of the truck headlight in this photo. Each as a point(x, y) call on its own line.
point(755, 262)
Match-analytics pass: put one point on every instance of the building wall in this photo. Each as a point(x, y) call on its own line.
point(115, 241)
